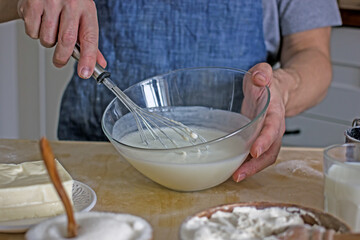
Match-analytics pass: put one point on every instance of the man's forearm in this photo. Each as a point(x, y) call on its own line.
point(305, 75)
point(8, 10)
point(308, 77)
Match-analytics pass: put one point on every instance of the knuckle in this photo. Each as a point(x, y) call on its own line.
point(34, 5)
point(47, 41)
point(60, 58)
point(31, 33)
point(59, 62)
point(89, 60)
point(277, 133)
point(92, 6)
point(52, 3)
point(47, 35)
point(28, 4)
point(49, 24)
point(283, 125)
point(253, 170)
point(68, 38)
point(27, 19)
point(89, 37)
point(72, 4)
point(283, 129)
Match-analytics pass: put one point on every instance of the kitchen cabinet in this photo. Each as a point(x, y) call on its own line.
point(350, 12)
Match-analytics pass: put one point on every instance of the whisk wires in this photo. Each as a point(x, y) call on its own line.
point(154, 123)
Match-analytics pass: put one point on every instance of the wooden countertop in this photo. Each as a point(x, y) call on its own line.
point(295, 178)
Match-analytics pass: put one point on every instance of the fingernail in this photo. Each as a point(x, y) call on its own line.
point(241, 177)
point(258, 152)
point(21, 12)
point(260, 77)
point(85, 72)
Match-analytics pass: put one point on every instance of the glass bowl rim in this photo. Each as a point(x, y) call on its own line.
point(199, 144)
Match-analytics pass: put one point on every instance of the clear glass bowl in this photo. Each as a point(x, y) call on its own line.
point(216, 98)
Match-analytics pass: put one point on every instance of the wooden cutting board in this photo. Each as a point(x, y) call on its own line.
point(295, 178)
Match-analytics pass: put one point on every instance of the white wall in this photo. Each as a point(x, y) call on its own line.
point(55, 82)
point(9, 124)
point(31, 90)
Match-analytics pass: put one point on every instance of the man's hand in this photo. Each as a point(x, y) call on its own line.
point(300, 83)
point(266, 147)
point(63, 23)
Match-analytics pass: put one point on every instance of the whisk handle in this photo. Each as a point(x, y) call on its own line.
point(99, 73)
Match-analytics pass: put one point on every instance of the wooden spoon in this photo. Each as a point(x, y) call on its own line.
point(50, 164)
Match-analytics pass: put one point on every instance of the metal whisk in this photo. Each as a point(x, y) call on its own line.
point(146, 121)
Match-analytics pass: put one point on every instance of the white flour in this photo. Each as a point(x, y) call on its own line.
point(242, 223)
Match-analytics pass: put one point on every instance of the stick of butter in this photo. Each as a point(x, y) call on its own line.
point(27, 192)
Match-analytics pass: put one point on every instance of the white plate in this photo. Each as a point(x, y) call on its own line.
point(84, 199)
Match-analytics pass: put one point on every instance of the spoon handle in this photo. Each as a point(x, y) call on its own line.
point(50, 164)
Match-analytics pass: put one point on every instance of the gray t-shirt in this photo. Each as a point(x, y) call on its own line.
point(284, 17)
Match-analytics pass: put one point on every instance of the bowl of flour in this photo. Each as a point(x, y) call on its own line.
point(256, 220)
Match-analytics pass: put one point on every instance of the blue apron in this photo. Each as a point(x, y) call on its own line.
point(141, 39)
